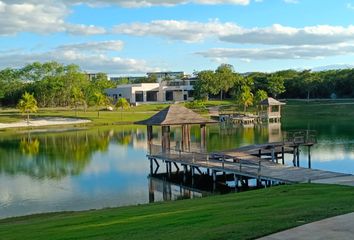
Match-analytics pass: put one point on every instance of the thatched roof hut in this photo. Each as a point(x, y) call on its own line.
point(270, 102)
point(175, 115)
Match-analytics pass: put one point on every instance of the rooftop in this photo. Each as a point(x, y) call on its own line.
point(176, 114)
point(271, 102)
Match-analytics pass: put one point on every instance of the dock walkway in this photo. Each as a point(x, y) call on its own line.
point(244, 162)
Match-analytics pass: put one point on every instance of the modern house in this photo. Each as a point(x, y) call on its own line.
point(172, 90)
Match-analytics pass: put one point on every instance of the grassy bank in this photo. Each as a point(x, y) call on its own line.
point(234, 216)
point(128, 116)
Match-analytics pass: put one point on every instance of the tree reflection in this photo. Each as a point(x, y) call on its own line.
point(29, 146)
point(52, 155)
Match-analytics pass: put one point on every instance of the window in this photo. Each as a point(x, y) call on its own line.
point(169, 95)
point(275, 109)
point(139, 96)
point(115, 96)
point(190, 93)
point(151, 96)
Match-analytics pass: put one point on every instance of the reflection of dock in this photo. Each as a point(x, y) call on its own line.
point(161, 189)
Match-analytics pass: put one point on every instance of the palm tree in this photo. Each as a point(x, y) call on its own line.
point(245, 97)
point(122, 103)
point(77, 98)
point(99, 100)
point(27, 104)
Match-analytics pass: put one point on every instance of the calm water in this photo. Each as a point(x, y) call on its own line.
point(81, 169)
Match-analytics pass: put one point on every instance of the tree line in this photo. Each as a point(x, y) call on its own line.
point(57, 85)
point(224, 81)
point(53, 85)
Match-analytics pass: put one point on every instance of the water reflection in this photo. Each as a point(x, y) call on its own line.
point(107, 166)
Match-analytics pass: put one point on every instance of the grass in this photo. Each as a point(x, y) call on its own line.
point(244, 215)
point(128, 116)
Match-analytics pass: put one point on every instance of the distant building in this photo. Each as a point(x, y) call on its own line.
point(161, 76)
point(174, 90)
point(91, 76)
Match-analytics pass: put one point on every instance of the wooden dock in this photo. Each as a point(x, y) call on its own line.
point(244, 163)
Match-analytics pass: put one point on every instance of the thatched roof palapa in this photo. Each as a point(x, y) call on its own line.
point(271, 102)
point(175, 115)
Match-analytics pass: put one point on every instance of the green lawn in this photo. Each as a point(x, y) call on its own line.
point(244, 215)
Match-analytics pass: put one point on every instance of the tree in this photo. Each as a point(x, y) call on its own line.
point(205, 84)
point(310, 81)
point(27, 104)
point(226, 78)
point(245, 97)
point(122, 103)
point(260, 96)
point(275, 85)
point(77, 98)
point(99, 100)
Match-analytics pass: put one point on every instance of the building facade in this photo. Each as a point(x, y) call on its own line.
point(175, 90)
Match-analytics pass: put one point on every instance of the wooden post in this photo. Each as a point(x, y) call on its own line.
point(309, 156)
point(151, 166)
point(214, 175)
point(282, 155)
point(165, 141)
point(203, 137)
point(183, 137)
point(298, 156)
point(149, 137)
point(273, 154)
point(151, 192)
point(294, 156)
point(236, 180)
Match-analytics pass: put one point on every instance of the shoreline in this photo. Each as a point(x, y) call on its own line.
point(44, 121)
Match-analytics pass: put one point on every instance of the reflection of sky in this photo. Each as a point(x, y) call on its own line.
point(112, 178)
point(118, 176)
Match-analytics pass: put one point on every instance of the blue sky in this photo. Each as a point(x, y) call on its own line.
point(131, 37)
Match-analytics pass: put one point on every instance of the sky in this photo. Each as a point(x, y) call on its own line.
point(132, 37)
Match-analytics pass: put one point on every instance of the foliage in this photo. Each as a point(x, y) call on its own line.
point(122, 103)
point(27, 104)
point(245, 215)
point(99, 99)
point(226, 78)
point(260, 96)
point(245, 97)
point(196, 104)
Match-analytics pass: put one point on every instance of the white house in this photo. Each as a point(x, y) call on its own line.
point(166, 91)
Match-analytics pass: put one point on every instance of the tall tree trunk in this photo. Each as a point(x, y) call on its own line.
point(221, 95)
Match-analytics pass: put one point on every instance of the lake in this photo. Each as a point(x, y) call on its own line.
point(77, 169)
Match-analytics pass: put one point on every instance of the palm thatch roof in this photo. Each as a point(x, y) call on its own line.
point(271, 102)
point(175, 115)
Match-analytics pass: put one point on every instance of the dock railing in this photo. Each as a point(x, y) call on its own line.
point(302, 137)
point(209, 160)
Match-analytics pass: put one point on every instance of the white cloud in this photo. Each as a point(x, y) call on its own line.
point(21, 17)
point(291, 1)
point(178, 30)
point(296, 52)
point(80, 29)
point(104, 46)
point(192, 31)
point(39, 17)
point(151, 3)
point(283, 35)
point(91, 60)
